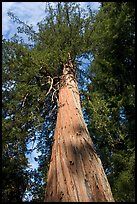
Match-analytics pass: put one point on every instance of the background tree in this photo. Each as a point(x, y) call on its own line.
point(14, 162)
point(110, 103)
point(21, 124)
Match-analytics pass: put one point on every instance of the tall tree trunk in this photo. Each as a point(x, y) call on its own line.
point(76, 173)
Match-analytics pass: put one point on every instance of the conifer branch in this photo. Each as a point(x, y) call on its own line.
point(24, 100)
point(51, 84)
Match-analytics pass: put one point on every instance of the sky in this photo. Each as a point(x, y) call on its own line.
point(30, 13)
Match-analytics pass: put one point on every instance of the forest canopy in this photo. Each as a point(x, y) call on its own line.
point(30, 83)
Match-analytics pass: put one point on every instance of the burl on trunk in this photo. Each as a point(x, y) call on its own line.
point(76, 173)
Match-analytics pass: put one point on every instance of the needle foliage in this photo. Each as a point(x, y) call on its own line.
point(31, 75)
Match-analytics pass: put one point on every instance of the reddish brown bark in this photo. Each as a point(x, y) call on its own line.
point(76, 173)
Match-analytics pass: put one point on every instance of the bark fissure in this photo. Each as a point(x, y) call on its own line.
point(76, 173)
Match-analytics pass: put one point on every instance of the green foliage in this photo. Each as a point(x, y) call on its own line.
point(111, 104)
point(29, 110)
point(124, 163)
point(64, 29)
point(24, 111)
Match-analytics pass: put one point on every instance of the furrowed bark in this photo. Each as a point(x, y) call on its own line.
point(75, 173)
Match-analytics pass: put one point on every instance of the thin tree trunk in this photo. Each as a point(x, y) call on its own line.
point(76, 173)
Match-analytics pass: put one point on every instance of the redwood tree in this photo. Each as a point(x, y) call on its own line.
point(76, 173)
